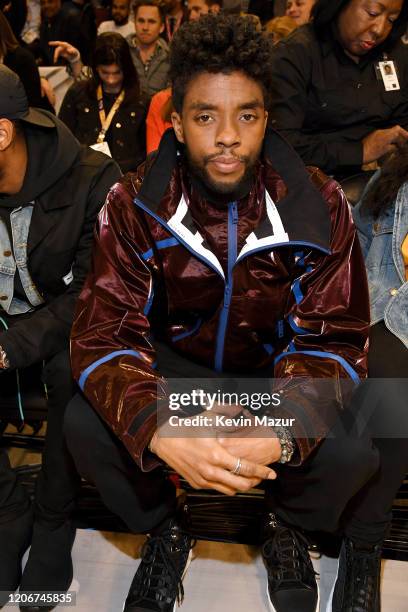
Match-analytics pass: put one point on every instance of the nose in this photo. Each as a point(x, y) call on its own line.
point(228, 134)
point(381, 27)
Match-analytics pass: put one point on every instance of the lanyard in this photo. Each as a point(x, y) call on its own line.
point(176, 24)
point(107, 120)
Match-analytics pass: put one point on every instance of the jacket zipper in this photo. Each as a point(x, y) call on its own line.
point(232, 257)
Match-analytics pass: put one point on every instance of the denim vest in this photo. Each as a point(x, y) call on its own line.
point(20, 219)
point(381, 241)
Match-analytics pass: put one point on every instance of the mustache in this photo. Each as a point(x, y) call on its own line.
point(241, 158)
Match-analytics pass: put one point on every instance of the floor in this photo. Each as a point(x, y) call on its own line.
point(221, 576)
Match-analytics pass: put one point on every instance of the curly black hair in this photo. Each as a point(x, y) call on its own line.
point(216, 44)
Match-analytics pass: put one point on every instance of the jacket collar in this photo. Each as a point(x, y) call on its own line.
point(303, 211)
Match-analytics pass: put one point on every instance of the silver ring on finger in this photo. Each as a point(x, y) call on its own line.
point(237, 468)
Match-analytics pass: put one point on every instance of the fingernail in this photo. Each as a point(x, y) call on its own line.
point(271, 476)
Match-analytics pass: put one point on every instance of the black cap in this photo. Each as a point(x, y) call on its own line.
point(14, 103)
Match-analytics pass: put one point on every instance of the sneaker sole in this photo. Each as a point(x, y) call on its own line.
point(189, 559)
point(273, 609)
point(329, 605)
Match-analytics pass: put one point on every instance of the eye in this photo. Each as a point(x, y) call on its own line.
point(204, 118)
point(248, 117)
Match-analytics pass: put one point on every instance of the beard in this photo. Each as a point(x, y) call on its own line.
point(200, 172)
point(120, 20)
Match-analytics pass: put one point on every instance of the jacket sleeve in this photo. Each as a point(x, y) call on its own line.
point(291, 75)
point(112, 356)
point(67, 112)
point(46, 331)
point(329, 315)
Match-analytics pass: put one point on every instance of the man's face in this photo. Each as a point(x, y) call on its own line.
point(197, 8)
point(365, 24)
point(299, 10)
point(222, 124)
point(50, 8)
point(13, 157)
point(120, 11)
point(148, 24)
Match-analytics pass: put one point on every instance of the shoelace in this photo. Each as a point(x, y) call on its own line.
point(288, 552)
point(363, 569)
point(166, 583)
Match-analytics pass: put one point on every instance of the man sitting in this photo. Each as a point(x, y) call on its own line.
point(149, 51)
point(224, 254)
point(120, 22)
point(57, 25)
point(51, 190)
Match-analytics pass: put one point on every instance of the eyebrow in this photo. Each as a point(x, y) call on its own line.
point(207, 106)
point(382, 6)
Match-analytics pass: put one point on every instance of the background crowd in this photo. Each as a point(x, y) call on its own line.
point(117, 45)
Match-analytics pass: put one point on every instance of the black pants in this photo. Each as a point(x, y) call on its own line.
point(314, 496)
point(58, 482)
point(385, 401)
point(142, 500)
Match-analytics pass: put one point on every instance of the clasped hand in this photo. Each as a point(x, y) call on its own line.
point(207, 461)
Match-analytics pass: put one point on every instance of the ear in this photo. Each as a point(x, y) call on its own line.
point(177, 126)
point(7, 134)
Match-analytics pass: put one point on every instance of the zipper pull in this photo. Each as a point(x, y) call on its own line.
point(234, 212)
point(227, 296)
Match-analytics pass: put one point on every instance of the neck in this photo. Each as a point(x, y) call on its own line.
point(355, 58)
point(14, 168)
point(147, 49)
point(112, 89)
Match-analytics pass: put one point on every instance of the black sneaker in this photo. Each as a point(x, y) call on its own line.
point(357, 585)
point(292, 585)
point(157, 585)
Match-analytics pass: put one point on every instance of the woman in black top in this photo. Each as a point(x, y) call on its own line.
point(330, 96)
point(107, 108)
point(22, 62)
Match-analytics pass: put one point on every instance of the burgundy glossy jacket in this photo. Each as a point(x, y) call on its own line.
point(275, 279)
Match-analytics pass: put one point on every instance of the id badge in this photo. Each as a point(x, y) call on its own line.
point(389, 75)
point(103, 147)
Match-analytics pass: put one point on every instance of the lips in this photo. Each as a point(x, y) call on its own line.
point(226, 165)
point(368, 44)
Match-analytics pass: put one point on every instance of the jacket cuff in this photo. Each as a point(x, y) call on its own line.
point(304, 443)
point(137, 439)
point(8, 349)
